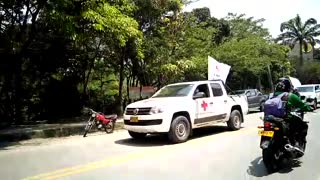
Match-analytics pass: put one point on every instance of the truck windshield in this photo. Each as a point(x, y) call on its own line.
point(174, 91)
point(305, 89)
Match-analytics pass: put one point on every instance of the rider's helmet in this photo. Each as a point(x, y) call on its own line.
point(283, 85)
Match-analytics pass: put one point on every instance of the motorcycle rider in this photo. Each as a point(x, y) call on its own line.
point(293, 101)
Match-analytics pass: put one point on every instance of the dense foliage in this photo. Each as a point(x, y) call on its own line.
point(58, 56)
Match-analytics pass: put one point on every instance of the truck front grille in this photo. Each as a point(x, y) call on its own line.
point(141, 111)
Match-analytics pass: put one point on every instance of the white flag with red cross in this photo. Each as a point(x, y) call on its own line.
point(217, 70)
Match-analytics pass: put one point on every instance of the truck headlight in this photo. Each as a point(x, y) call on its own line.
point(156, 110)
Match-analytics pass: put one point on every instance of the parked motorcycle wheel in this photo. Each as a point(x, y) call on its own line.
point(109, 127)
point(88, 127)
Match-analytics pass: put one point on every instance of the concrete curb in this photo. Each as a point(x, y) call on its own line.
point(49, 131)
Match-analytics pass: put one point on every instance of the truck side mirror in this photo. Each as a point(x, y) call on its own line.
point(199, 95)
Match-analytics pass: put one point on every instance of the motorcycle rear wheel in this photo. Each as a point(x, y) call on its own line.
point(109, 127)
point(269, 160)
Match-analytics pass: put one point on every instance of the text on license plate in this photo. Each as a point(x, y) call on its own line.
point(266, 133)
point(134, 119)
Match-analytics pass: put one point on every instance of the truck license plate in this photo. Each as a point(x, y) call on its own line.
point(266, 133)
point(134, 119)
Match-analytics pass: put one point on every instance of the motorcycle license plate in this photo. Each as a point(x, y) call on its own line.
point(266, 133)
point(134, 119)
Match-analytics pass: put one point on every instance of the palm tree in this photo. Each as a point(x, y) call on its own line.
point(303, 33)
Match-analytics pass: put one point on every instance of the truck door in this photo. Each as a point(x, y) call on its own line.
point(220, 105)
point(252, 98)
point(204, 105)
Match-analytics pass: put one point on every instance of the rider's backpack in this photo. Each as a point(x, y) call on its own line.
point(276, 106)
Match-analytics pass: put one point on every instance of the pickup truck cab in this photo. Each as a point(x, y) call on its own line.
point(310, 93)
point(177, 109)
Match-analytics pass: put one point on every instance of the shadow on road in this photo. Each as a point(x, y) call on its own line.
point(288, 167)
point(258, 169)
point(161, 140)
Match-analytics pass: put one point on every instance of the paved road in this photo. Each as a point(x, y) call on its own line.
point(213, 153)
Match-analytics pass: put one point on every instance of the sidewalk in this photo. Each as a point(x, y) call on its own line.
point(46, 131)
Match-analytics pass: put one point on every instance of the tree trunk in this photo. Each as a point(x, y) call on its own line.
point(128, 88)
point(301, 54)
point(120, 87)
point(18, 99)
point(120, 110)
point(92, 61)
point(299, 68)
point(244, 84)
point(140, 93)
point(259, 82)
point(270, 78)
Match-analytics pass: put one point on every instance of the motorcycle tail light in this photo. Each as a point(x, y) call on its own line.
point(267, 125)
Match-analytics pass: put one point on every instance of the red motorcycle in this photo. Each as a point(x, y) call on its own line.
point(102, 122)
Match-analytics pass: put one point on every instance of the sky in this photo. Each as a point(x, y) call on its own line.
point(273, 11)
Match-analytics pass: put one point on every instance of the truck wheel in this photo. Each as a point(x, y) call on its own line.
point(179, 130)
point(136, 135)
point(235, 119)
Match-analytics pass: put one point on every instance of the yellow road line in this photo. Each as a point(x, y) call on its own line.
point(132, 156)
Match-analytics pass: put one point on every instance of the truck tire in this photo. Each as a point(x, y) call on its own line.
point(179, 130)
point(235, 120)
point(136, 135)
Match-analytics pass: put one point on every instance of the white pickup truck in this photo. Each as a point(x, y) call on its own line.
point(177, 109)
point(310, 94)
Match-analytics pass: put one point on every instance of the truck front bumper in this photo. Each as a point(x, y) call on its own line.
point(156, 123)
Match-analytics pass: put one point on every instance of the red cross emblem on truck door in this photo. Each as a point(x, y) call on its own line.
point(204, 105)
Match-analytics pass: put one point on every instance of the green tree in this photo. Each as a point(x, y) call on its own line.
point(250, 50)
point(123, 35)
point(242, 27)
point(155, 17)
point(295, 30)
